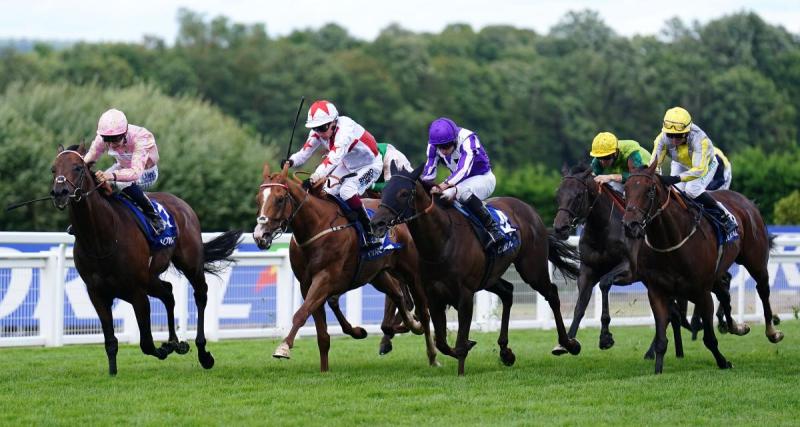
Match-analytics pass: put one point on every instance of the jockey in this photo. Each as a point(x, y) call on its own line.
point(471, 180)
point(353, 158)
point(693, 161)
point(136, 167)
point(723, 176)
point(391, 157)
point(614, 159)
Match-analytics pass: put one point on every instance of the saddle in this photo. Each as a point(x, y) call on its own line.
point(166, 238)
point(715, 217)
point(367, 253)
point(512, 240)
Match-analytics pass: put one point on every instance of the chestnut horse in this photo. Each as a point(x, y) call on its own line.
point(681, 257)
point(324, 254)
point(454, 265)
point(606, 258)
point(114, 259)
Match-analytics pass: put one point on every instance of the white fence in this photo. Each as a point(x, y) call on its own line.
point(44, 302)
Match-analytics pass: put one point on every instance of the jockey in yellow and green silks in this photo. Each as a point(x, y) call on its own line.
point(614, 159)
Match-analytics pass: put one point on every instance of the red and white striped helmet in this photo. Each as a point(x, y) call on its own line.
point(112, 122)
point(321, 112)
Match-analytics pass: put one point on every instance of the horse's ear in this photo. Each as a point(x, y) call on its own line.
point(393, 168)
point(564, 169)
point(652, 167)
point(416, 173)
point(265, 171)
point(82, 148)
point(60, 148)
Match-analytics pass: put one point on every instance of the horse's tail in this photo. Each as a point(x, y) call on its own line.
point(563, 255)
point(217, 252)
point(771, 238)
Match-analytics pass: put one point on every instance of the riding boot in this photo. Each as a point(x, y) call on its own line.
point(361, 216)
point(476, 206)
point(135, 193)
point(725, 217)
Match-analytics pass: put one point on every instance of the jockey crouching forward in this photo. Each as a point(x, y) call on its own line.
point(392, 157)
point(694, 161)
point(136, 167)
point(471, 180)
point(614, 159)
point(353, 158)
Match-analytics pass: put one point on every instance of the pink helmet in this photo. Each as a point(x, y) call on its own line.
point(321, 112)
point(112, 122)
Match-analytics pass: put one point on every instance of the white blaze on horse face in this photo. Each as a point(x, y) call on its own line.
point(262, 214)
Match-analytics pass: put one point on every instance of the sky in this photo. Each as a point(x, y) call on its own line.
point(106, 20)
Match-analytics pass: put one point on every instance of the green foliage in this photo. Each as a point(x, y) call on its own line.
point(765, 178)
point(787, 209)
point(533, 184)
point(206, 158)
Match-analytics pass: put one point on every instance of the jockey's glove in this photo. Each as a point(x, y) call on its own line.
point(307, 184)
point(669, 179)
point(285, 161)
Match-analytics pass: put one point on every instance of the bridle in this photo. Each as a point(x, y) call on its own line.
point(584, 195)
point(284, 223)
point(649, 215)
point(409, 210)
point(77, 194)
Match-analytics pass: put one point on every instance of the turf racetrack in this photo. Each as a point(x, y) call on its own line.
point(70, 385)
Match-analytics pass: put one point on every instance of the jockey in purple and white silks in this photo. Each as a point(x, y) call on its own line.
point(471, 180)
point(353, 159)
point(136, 167)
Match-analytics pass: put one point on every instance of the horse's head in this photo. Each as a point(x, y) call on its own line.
point(573, 199)
point(72, 178)
point(643, 190)
point(276, 207)
point(397, 200)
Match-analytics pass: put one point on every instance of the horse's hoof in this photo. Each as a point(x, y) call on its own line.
point(558, 350)
point(435, 364)
point(507, 356)
point(167, 348)
point(726, 365)
point(573, 347)
point(606, 342)
point(470, 344)
point(722, 327)
point(161, 353)
point(385, 348)
point(649, 355)
point(776, 337)
point(206, 360)
point(112, 371)
point(182, 347)
point(359, 333)
point(282, 352)
point(741, 330)
point(776, 320)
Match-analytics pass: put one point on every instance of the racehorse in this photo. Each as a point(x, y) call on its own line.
point(605, 257)
point(454, 265)
point(115, 261)
point(683, 259)
point(324, 254)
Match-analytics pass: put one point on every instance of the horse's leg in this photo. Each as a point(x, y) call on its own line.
point(141, 307)
point(421, 308)
point(586, 281)
point(356, 332)
point(658, 304)
point(392, 288)
point(505, 291)
point(463, 345)
point(102, 305)
point(316, 295)
point(323, 339)
point(675, 321)
point(606, 337)
point(439, 320)
point(761, 277)
point(722, 291)
point(163, 291)
point(706, 305)
point(387, 326)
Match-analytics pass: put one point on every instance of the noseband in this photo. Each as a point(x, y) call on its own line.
point(648, 215)
point(78, 194)
point(577, 219)
point(284, 224)
point(403, 217)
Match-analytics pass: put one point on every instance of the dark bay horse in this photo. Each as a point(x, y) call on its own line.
point(681, 258)
point(324, 257)
point(114, 259)
point(454, 265)
point(605, 255)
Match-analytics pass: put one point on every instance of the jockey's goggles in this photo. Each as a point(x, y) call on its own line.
point(322, 128)
point(676, 126)
point(113, 139)
point(676, 135)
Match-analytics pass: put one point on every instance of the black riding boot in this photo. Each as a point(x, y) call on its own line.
point(725, 217)
point(135, 193)
point(361, 216)
point(476, 206)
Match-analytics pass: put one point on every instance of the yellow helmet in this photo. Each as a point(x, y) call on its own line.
point(676, 120)
point(604, 144)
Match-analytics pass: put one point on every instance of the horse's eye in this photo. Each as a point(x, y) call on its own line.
point(76, 168)
point(402, 194)
point(53, 169)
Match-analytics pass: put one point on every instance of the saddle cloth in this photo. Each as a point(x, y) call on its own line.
point(512, 238)
point(163, 240)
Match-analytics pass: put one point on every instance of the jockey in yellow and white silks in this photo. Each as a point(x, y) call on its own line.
point(353, 158)
point(694, 162)
point(136, 154)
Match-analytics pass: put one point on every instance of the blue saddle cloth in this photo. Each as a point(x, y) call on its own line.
point(512, 237)
point(163, 240)
point(368, 252)
point(713, 216)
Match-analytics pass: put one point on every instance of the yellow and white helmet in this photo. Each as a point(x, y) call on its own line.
point(676, 120)
point(604, 144)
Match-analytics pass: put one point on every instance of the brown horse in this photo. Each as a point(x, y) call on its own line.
point(454, 265)
point(115, 261)
point(606, 258)
point(324, 254)
point(681, 258)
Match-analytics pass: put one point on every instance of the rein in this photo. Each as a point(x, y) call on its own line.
point(409, 206)
point(577, 219)
point(648, 218)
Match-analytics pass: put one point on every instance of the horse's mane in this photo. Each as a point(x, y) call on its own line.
point(579, 168)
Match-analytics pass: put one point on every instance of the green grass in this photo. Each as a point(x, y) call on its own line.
point(70, 385)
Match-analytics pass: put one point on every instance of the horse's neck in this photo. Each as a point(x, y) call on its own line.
point(93, 220)
point(671, 225)
point(429, 228)
point(315, 214)
point(604, 216)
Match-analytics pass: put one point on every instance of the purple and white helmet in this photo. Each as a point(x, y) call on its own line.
point(442, 131)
